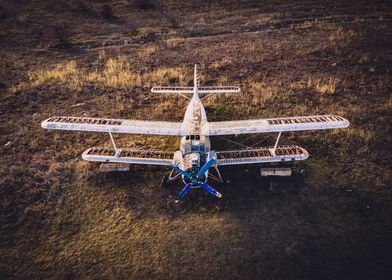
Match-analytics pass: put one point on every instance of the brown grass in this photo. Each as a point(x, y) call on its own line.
point(116, 73)
point(317, 85)
point(62, 219)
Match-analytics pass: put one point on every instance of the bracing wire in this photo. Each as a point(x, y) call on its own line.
point(243, 145)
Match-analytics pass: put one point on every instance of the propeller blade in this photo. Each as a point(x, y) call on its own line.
point(183, 192)
point(211, 190)
point(186, 174)
point(205, 167)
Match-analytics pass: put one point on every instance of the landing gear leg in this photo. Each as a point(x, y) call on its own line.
point(168, 178)
point(165, 181)
point(219, 174)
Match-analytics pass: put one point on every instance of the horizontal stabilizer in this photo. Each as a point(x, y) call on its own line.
point(172, 90)
point(218, 89)
point(200, 90)
point(261, 155)
point(99, 154)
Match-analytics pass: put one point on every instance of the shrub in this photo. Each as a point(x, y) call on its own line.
point(144, 4)
point(173, 22)
point(61, 35)
point(107, 12)
point(3, 13)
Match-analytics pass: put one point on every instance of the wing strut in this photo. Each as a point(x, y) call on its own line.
point(276, 143)
point(114, 145)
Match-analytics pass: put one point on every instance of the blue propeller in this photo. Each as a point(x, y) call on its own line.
point(183, 192)
point(179, 170)
point(195, 180)
point(211, 190)
point(205, 168)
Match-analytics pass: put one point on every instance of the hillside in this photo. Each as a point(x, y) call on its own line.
point(63, 219)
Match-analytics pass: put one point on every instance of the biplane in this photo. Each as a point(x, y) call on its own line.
point(195, 157)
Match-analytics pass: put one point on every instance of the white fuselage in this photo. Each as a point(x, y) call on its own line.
point(194, 145)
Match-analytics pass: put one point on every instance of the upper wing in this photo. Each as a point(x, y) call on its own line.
point(128, 156)
point(276, 125)
point(261, 155)
point(113, 125)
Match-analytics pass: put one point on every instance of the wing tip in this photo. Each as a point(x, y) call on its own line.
point(44, 123)
point(305, 153)
point(85, 154)
point(344, 121)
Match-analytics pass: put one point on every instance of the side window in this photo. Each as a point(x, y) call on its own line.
point(197, 137)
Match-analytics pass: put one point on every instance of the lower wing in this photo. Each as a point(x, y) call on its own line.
point(276, 125)
point(113, 125)
point(128, 156)
point(261, 155)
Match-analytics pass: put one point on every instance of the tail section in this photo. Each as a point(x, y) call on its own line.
point(196, 89)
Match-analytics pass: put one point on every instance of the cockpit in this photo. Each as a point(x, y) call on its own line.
point(192, 137)
point(195, 143)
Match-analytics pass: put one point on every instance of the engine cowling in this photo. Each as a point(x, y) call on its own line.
point(192, 164)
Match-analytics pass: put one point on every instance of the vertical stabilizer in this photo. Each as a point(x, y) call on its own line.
point(195, 77)
point(195, 82)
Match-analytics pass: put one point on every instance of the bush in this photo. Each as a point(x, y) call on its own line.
point(173, 22)
point(61, 35)
point(3, 13)
point(107, 12)
point(144, 4)
point(79, 6)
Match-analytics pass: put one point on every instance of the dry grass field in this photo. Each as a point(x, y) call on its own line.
point(60, 218)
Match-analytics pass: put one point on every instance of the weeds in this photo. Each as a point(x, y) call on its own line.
point(173, 43)
point(117, 73)
point(317, 85)
point(342, 35)
point(63, 73)
point(147, 51)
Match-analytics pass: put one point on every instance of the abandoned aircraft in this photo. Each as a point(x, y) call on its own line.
point(195, 157)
